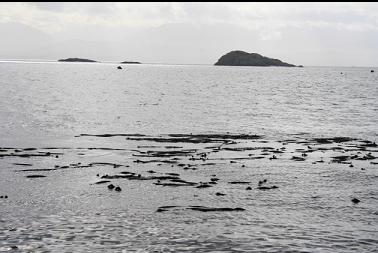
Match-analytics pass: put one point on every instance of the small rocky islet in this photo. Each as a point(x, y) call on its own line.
point(192, 152)
point(241, 58)
point(76, 60)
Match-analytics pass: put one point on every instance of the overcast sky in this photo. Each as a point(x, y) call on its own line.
point(312, 34)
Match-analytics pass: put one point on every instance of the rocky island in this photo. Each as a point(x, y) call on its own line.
point(130, 62)
point(76, 60)
point(241, 58)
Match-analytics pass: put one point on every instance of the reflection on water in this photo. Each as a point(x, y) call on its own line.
point(60, 100)
point(46, 105)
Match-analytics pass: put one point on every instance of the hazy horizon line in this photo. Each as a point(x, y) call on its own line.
point(160, 63)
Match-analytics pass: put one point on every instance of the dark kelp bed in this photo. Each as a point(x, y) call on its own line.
point(192, 162)
point(231, 147)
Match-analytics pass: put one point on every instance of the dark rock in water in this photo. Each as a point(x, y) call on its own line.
point(111, 187)
point(262, 182)
point(76, 60)
point(118, 189)
point(119, 67)
point(241, 58)
point(372, 71)
point(356, 201)
point(35, 176)
point(130, 62)
point(273, 157)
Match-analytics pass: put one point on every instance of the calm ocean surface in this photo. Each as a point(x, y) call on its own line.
point(54, 101)
point(48, 105)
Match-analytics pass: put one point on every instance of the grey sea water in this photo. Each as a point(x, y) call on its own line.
point(45, 107)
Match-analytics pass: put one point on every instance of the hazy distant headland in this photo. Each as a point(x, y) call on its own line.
point(88, 60)
point(233, 58)
point(241, 58)
point(130, 62)
point(76, 60)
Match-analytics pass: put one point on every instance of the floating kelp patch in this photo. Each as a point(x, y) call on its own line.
point(267, 187)
point(220, 136)
point(198, 138)
point(333, 140)
point(151, 153)
point(177, 184)
point(155, 161)
point(200, 209)
point(28, 170)
point(102, 182)
point(27, 155)
point(35, 176)
point(215, 209)
point(239, 182)
point(297, 158)
point(110, 135)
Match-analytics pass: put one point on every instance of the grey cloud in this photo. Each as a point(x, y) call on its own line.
point(194, 32)
point(206, 11)
point(49, 6)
